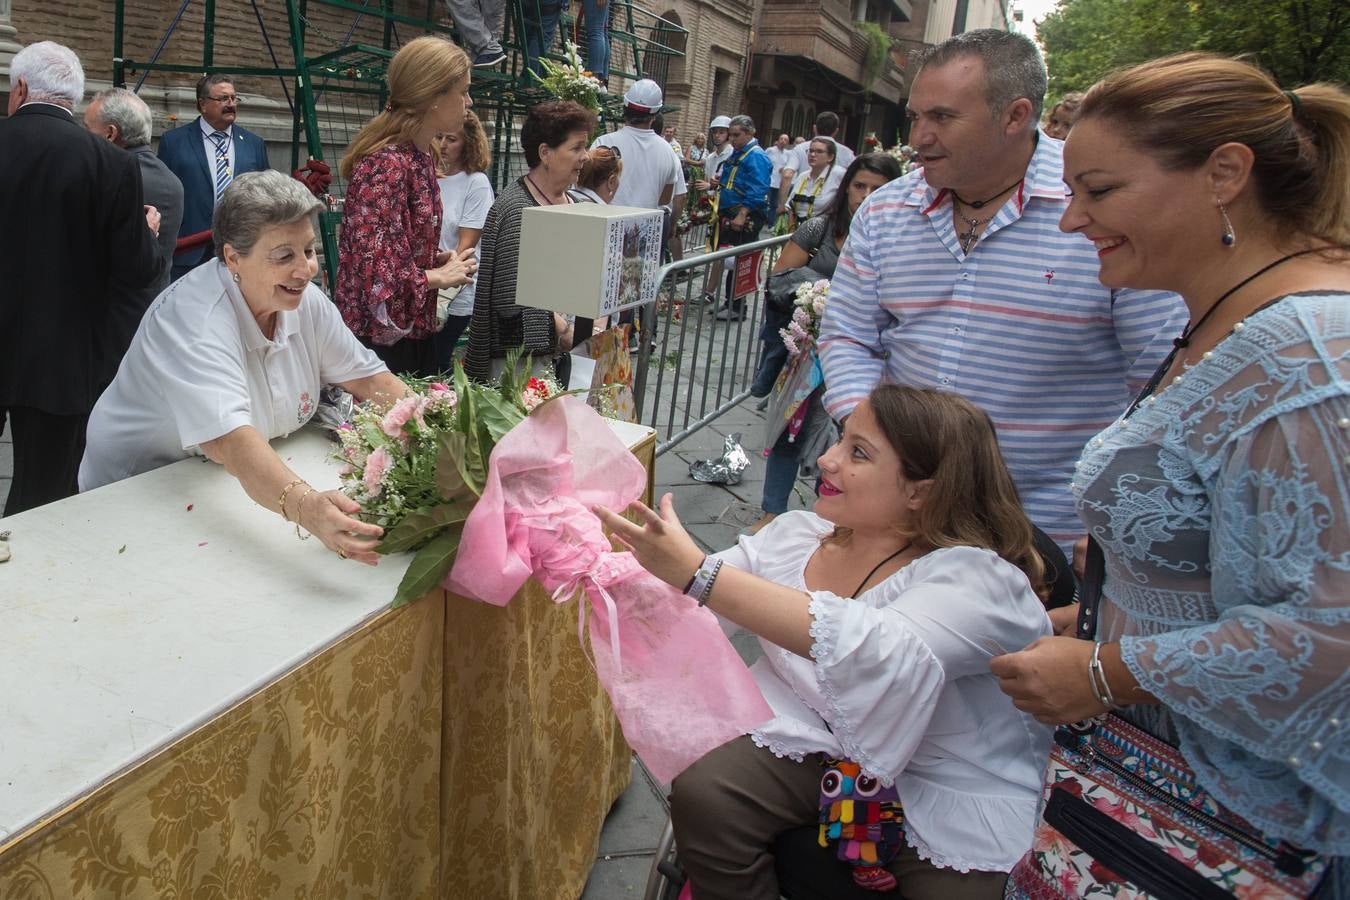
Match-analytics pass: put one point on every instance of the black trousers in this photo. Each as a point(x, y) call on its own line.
point(416, 357)
point(47, 453)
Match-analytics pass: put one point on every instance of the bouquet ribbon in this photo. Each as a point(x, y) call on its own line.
point(678, 687)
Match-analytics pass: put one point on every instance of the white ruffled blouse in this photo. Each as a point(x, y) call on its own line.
point(899, 682)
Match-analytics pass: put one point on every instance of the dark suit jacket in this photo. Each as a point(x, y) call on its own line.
point(164, 191)
point(182, 150)
point(72, 228)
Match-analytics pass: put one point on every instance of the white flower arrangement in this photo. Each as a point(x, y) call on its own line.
point(807, 309)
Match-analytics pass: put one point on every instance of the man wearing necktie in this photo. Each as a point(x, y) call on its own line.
point(207, 154)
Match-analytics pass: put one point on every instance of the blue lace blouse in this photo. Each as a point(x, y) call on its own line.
point(1222, 506)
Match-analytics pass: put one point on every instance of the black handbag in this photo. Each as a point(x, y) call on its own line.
point(781, 291)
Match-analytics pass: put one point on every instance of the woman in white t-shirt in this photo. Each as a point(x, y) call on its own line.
point(466, 197)
point(233, 355)
point(878, 614)
point(813, 190)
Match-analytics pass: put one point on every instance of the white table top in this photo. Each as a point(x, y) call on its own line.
point(128, 619)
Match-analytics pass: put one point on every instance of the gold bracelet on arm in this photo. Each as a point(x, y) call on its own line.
point(300, 508)
point(281, 501)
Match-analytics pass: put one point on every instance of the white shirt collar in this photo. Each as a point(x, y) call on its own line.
point(207, 130)
point(288, 320)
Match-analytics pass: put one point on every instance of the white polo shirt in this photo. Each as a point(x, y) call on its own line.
point(199, 367)
point(649, 166)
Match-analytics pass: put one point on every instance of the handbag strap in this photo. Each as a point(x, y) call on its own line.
point(1090, 594)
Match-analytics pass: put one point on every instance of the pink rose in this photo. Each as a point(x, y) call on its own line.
point(377, 466)
point(439, 386)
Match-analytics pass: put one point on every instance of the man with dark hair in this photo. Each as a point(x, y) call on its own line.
point(650, 169)
point(826, 126)
point(742, 199)
point(74, 237)
point(207, 154)
point(957, 277)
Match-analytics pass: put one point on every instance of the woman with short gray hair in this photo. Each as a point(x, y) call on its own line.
point(233, 355)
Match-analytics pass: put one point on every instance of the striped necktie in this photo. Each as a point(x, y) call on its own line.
point(223, 176)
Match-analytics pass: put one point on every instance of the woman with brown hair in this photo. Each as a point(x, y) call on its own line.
point(466, 196)
point(554, 138)
point(878, 614)
point(390, 266)
point(1218, 503)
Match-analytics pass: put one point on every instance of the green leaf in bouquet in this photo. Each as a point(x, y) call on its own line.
point(430, 566)
point(420, 526)
point(514, 377)
point(372, 434)
point(453, 476)
point(499, 415)
point(464, 391)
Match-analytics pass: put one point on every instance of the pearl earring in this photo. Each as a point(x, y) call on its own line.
point(1228, 237)
point(235, 276)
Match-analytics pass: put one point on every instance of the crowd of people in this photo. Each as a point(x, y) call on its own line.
point(1119, 327)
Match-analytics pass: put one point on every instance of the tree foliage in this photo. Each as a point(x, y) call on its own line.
point(1298, 41)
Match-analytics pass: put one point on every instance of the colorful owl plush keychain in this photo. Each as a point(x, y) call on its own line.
point(863, 818)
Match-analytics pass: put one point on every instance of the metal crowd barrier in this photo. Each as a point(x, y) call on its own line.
point(701, 366)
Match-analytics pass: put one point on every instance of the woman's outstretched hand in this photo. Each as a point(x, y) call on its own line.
point(660, 544)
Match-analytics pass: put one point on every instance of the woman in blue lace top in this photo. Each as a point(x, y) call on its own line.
point(1222, 502)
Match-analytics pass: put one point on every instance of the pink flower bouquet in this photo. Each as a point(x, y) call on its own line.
point(677, 685)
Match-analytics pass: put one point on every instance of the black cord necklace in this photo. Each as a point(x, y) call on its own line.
point(979, 204)
point(968, 238)
point(878, 566)
point(1184, 341)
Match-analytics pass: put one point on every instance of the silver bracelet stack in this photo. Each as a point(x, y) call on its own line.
point(1097, 679)
point(701, 585)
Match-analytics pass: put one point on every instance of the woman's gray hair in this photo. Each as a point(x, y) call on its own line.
point(52, 72)
point(123, 109)
point(255, 201)
point(1013, 67)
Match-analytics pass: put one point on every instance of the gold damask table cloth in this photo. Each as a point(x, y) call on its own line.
point(445, 749)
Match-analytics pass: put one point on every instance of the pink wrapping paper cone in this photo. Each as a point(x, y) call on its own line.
point(677, 685)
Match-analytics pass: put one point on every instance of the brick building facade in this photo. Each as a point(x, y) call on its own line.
point(781, 61)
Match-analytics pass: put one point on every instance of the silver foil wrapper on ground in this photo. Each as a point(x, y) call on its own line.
point(725, 469)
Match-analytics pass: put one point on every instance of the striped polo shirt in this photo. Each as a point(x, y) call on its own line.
point(1020, 325)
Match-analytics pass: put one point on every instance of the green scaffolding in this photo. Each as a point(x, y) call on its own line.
point(335, 83)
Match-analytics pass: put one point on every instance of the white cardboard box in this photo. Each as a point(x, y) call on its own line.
point(588, 259)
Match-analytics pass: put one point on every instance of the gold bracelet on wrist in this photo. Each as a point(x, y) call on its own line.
point(299, 508)
point(281, 501)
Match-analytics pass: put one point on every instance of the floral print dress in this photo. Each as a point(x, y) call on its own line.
point(391, 226)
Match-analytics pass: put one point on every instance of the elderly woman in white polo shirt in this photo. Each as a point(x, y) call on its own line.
point(233, 355)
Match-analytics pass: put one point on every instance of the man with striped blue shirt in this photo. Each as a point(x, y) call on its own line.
point(957, 277)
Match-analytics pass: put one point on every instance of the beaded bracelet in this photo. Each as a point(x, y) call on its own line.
point(701, 587)
point(281, 501)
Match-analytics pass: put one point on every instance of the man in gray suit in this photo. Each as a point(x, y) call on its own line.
point(121, 117)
